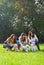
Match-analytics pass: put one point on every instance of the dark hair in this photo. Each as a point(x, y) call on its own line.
point(32, 34)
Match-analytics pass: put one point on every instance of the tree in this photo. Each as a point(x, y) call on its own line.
point(21, 16)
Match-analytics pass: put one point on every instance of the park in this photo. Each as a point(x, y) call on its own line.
point(22, 58)
point(22, 16)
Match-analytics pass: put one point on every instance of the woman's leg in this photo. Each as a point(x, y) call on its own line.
point(32, 47)
point(19, 46)
point(16, 47)
point(37, 44)
point(6, 46)
point(25, 48)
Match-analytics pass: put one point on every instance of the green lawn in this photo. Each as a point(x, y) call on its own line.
point(22, 58)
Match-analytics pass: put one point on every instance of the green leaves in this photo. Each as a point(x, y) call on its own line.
point(18, 16)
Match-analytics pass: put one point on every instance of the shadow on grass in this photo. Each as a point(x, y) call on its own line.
point(29, 51)
point(20, 51)
point(41, 50)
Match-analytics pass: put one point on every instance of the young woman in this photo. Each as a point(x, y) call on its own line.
point(11, 42)
point(31, 40)
point(36, 40)
point(23, 42)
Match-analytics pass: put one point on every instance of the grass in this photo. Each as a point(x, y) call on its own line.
point(22, 58)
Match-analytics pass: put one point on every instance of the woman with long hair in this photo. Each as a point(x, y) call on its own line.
point(11, 43)
point(23, 41)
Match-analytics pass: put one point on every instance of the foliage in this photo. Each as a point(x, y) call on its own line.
point(18, 16)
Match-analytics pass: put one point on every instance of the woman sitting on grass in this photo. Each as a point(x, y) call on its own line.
point(31, 40)
point(10, 43)
point(36, 40)
point(23, 42)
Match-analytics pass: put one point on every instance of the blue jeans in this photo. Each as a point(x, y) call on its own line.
point(37, 44)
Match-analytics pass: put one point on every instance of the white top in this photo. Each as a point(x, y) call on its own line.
point(32, 40)
point(22, 42)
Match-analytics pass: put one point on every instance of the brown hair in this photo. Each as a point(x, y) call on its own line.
point(11, 36)
point(29, 33)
